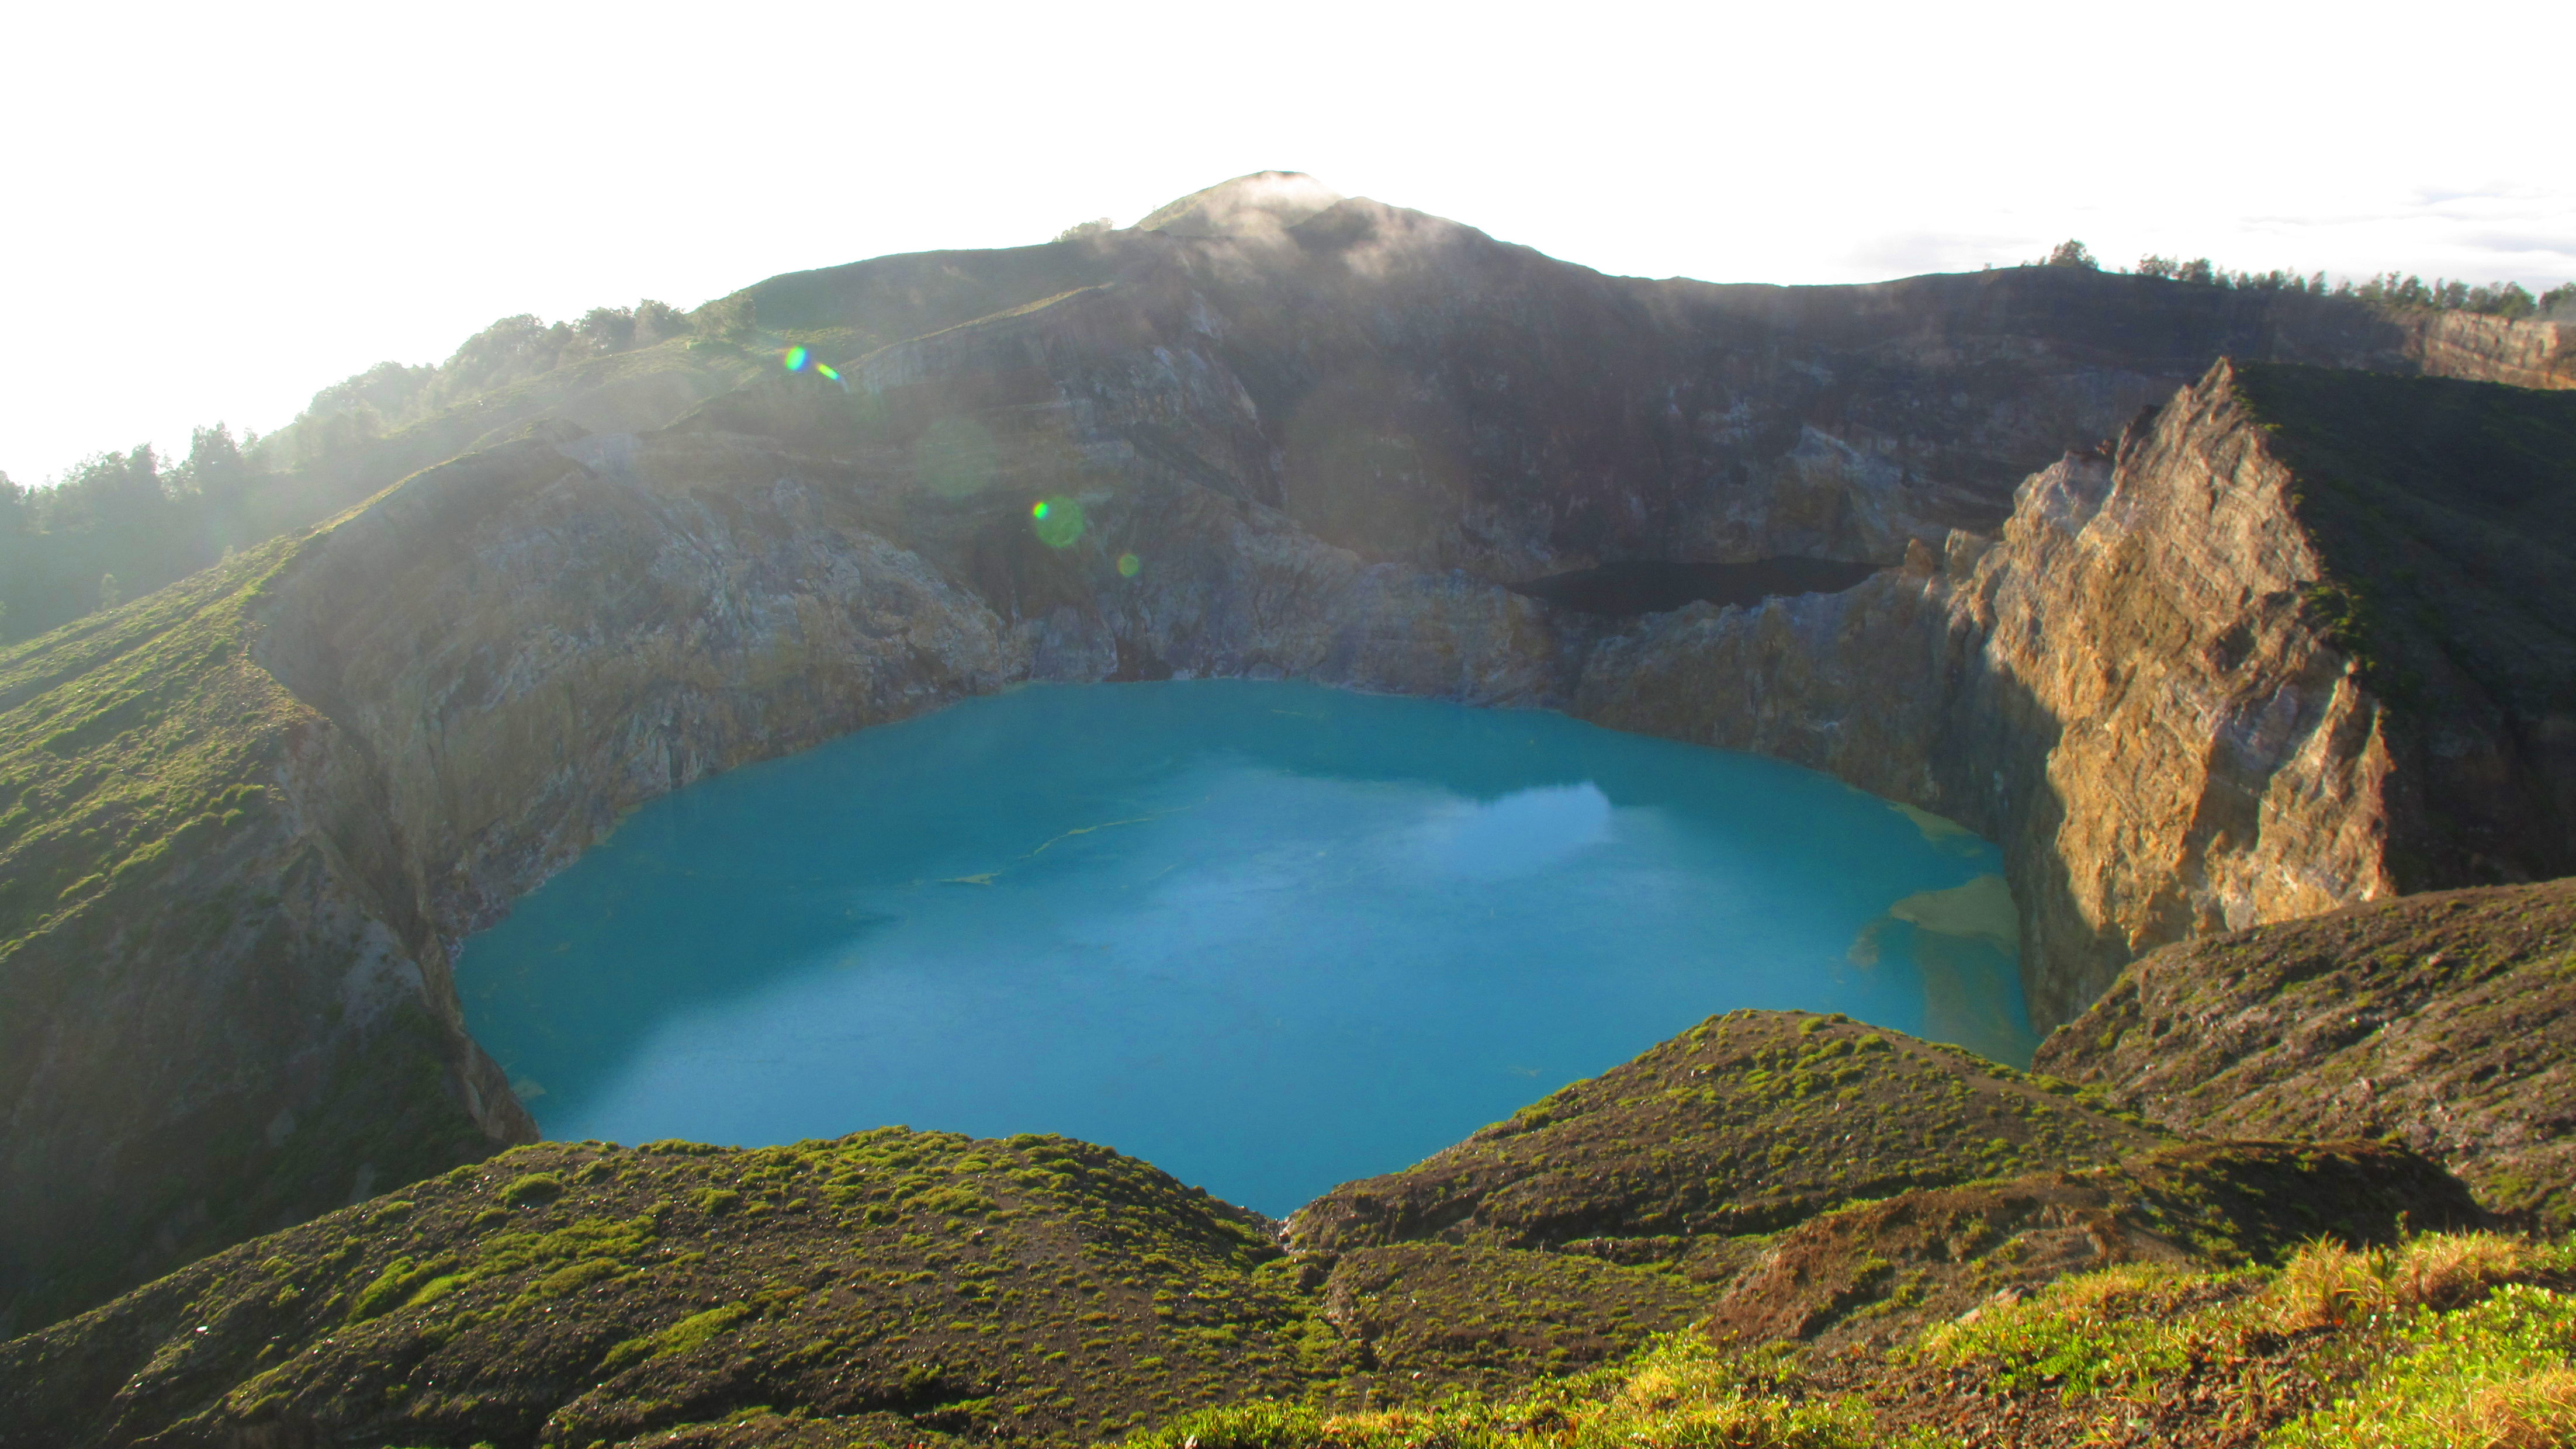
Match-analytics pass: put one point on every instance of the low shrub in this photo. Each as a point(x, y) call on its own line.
point(2328, 1285)
point(1681, 1392)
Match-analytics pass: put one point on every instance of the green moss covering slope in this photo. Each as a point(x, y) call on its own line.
point(125, 731)
point(173, 959)
point(1040, 1288)
point(1745, 1123)
point(898, 1287)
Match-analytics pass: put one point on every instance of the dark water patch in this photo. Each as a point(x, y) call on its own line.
point(1270, 937)
point(1657, 586)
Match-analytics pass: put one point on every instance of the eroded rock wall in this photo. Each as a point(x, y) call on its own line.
point(2126, 691)
point(2491, 349)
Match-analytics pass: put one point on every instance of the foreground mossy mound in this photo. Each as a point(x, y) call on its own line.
point(903, 1288)
point(1037, 1287)
point(2445, 1340)
point(1744, 1124)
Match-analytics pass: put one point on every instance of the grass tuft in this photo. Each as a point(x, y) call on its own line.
point(2500, 1374)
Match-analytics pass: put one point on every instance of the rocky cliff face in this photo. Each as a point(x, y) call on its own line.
point(2152, 690)
point(246, 820)
point(2072, 690)
point(1418, 392)
point(528, 644)
point(2491, 349)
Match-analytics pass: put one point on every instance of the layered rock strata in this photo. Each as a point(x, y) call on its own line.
point(1412, 389)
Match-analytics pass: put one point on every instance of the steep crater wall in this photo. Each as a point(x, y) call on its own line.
point(2178, 688)
point(1328, 451)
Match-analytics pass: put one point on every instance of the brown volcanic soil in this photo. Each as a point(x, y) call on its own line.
point(2230, 1404)
point(2446, 1019)
point(1878, 1274)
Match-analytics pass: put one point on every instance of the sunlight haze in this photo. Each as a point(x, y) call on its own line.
point(215, 212)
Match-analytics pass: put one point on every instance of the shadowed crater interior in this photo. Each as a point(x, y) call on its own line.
point(1655, 586)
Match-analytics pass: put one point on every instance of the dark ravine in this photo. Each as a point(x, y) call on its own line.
point(245, 821)
point(1658, 586)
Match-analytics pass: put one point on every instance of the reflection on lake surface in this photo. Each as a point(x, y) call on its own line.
point(1267, 936)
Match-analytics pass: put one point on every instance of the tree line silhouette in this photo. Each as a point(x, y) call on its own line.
point(116, 526)
point(2388, 290)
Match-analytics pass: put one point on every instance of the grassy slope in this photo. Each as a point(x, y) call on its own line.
point(2447, 1018)
point(900, 1286)
point(2450, 509)
point(578, 1292)
point(838, 312)
point(646, 388)
point(148, 854)
point(2448, 1340)
point(1746, 1123)
point(126, 730)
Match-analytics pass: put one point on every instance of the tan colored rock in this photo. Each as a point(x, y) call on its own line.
point(2126, 690)
point(2491, 349)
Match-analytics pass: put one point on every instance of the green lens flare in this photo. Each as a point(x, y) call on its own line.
point(826, 371)
point(1128, 564)
point(1058, 520)
point(795, 359)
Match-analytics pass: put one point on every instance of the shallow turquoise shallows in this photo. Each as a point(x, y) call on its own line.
point(1269, 937)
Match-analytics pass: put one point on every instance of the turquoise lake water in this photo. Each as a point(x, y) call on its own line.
point(1268, 936)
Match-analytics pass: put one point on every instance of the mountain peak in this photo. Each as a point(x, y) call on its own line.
point(1262, 201)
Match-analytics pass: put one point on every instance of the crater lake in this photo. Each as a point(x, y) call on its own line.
point(1266, 935)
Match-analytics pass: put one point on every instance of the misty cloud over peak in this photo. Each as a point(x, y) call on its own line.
point(1265, 201)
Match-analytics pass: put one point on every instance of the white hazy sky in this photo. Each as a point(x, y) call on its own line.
point(209, 212)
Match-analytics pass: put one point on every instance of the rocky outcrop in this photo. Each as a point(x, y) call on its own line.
point(2446, 1019)
point(2491, 349)
point(2152, 689)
